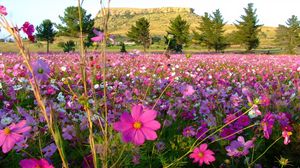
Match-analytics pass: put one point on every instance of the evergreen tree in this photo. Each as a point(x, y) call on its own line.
point(123, 48)
point(70, 22)
point(288, 36)
point(140, 33)
point(178, 34)
point(46, 32)
point(248, 28)
point(211, 31)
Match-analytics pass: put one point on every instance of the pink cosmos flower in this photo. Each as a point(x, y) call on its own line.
point(3, 10)
point(286, 135)
point(138, 126)
point(99, 37)
point(12, 134)
point(202, 155)
point(34, 163)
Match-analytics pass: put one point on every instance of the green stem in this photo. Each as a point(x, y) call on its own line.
point(265, 151)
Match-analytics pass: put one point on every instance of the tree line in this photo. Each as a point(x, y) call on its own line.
point(210, 31)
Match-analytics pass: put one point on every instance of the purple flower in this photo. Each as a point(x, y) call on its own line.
point(189, 131)
point(243, 121)
point(41, 70)
point(226, 132)
point(201, 131)
point(160, 146)
point(136, 159)
point(267, 124)
point(99, 37)
point(49, 150)
point(239, 147)
point(68, 132)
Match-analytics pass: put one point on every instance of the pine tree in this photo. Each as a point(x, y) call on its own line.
point(248, 28)
point(46, 32)
point(140, 33)
point(179, 33)
point(211, 31)
point(70, 20)
point(288, 36)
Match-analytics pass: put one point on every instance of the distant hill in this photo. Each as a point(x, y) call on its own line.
point(121, 20)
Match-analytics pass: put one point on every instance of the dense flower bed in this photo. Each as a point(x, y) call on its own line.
point(224, 110)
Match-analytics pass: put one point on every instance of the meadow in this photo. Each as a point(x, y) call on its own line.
point(236, 110)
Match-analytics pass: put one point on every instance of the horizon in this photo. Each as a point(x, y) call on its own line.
point(270, 13)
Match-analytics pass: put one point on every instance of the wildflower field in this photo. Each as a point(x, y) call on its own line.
point(100, 109)
point(183, 111)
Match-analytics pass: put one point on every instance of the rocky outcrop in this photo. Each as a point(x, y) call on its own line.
point(140, 11)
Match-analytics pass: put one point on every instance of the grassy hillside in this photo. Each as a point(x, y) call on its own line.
point(122, 18)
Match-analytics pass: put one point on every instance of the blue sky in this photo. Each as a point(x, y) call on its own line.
point(270, 12)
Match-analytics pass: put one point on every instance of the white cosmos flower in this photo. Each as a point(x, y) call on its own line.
point(6, 120)
point(17, 87)
point(63, 68)
point(61, 97)
point(96, 86)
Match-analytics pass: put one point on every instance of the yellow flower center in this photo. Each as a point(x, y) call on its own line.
point(7, 131)
point(38, 166)
point(200, 154)
point(137, 125)
point(289, 133)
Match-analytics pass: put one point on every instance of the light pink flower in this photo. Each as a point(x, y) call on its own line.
point(99, 37)
point(3, 10)
point(12, 134)
point(34, 163)
point(138, 126)
point(286, 135)
point(188, 90)
point(202, 155)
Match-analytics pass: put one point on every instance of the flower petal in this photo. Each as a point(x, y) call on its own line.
point(203, 147)
point(127, 135)
point(149, 133)
point(138, 138)
point(2, 138)
point(122, 126)
point(148, 115)
point(23, 130)
point(136, 111)
point(126, 117)
point(154, 125)
point(8, 144)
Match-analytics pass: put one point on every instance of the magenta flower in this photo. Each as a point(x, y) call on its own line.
point(189, 131)
point(286, 135)
point(41, 70)
point(202, 155)
point(3, 10)
point(28, 29)
point(12, 134)
point(138, 126)
point(99, 37)
point(239, 147)
point(188, 90)
point(34, 163)
point(267, 124)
